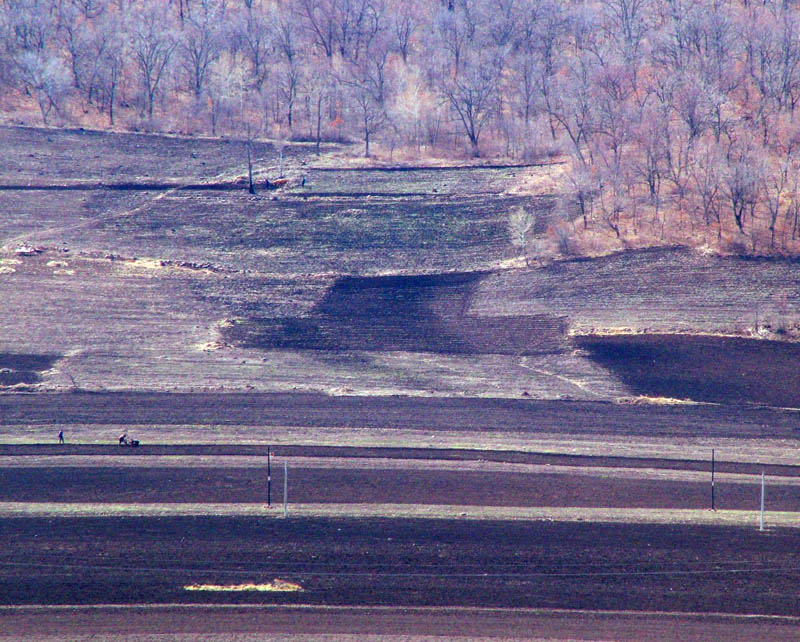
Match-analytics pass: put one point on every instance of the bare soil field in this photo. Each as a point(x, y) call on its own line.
point(702, 368)
point(46, 157)
point(267, 292)
point(479, 416)
point(401, 562)
point(256, 623)
point(377, 328)
point(376, 485)
point(661, 290)
point(411, 314)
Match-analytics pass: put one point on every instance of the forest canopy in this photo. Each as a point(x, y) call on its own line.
point(672, 118)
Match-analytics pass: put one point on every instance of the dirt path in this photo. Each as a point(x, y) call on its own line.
point(213, 623)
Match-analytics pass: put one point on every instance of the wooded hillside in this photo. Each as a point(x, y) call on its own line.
point(675, 119)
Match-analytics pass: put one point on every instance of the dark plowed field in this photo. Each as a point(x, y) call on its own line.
point(376, 485)
point(402, 562)
point(483, 415)
point(715, 369)
point(134, 456)
point(229, 623)
point(47, 156)
point(24, 368)
point(414, 314)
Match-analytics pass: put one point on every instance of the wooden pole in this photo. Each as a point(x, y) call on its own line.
point(761, 528)
point(712, 479)
point(269, 477)
point(285, 488)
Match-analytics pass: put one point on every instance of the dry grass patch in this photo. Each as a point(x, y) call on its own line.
point(656, 401)
point(276, 585)
point(783, 519)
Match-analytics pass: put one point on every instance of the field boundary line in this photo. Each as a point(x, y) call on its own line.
point(687, 516)
point(445, 609)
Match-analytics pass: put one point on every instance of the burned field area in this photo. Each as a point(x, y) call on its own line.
point(406, 562)
point(460, 431)
point(711, 369)
point(344, 281)
point(411, 314)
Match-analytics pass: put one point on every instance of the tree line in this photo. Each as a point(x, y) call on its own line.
point(677, 117)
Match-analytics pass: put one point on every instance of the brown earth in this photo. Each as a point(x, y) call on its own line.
point(33, 454)
point(702, 368)
point(530, 417)
point(341, 485)
point(375, 282)
point(399, 313)
point(361, 561)
point(288, 624)
point(282, 290)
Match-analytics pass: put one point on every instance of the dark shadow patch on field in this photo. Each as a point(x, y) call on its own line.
point(702, 368)
point(24, 368)
point(421, 313)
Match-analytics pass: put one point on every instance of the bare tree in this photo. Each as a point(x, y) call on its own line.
point(317, 84)
point(472, 94)
point(110, 55)
point(403, 24)
point(199, 46)
point(152, 46)
point(743, 182)
point(254, 34)
point(367, 82)
point(46, 78)
point(572, 105)
point(520, 228)
point(706, 179)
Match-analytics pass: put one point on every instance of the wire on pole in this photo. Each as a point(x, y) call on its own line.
point(712, 479)
point(285, 488)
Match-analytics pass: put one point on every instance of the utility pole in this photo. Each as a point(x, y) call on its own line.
point(761, 528)
point(269, 477)
point(712, 479)
point(285, 487)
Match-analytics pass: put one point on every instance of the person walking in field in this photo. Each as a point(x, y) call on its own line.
point(60, 436)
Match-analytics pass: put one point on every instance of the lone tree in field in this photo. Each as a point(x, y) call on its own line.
point(520, 226)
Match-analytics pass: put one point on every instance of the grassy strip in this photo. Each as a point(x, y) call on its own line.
point(773, 451)
point(417, 511)
point(222, 462)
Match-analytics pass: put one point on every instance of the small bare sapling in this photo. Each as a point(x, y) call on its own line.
point(520, 227)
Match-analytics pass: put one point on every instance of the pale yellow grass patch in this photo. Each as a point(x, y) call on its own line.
point(542, 179)
point(745, 518)
point(604, 332)
point(655, 401)
point(210, 346)
point(7, 265)
point(518, 262)
point(149, 266)
point(277, 585)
